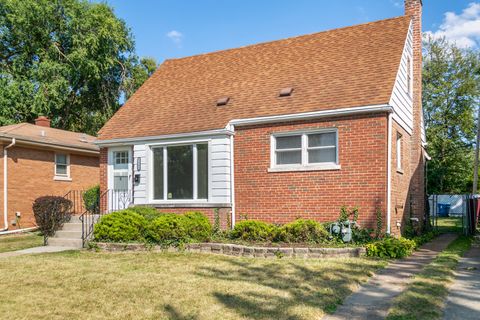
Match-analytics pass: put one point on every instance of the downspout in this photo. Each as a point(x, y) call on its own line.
point(232, 181)
point(5, 185)
point(389, 172)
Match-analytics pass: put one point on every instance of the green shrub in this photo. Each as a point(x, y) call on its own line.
point(253, 230)
point(198, 226)
point(120, 226)
point(424, 238)
point(302, 230)
point(391, 248)
point(167, 229)
point(149, 213)
point(361, 235)
point(91, 199)
point(51, 213)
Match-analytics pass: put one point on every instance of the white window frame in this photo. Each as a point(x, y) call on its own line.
point(304, 165)
point(62, 176)
point(150, 181)
point(398, 151)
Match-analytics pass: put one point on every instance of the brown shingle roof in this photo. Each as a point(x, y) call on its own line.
point(55, 137)
point(347, 67)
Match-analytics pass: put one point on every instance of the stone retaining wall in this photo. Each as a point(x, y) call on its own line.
point(239, 250)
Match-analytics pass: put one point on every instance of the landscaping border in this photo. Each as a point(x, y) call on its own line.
point(238, 250)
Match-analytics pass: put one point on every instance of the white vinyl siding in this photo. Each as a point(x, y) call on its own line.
point(218, 174)
point(401, 99)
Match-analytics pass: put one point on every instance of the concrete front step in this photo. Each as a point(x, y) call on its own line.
point(69, 226)
point(69, 234)
point(63, 242)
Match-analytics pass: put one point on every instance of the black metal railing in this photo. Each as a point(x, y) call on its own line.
point(109, 201)
point(76, 197)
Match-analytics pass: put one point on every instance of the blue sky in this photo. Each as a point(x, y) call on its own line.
point(176, 28)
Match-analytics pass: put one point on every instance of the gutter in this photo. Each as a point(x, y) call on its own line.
point(389, 172)
point(50, 145)
point(5, 184)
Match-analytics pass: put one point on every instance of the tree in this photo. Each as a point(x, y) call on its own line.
point(450, 95)
point(70, 60)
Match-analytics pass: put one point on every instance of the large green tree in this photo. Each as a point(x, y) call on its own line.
point(71, 60)
point(450, 98)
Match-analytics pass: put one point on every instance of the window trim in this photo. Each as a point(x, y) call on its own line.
point(150, 181)
point(304, 166)
point(61, 176)
point(399, 152)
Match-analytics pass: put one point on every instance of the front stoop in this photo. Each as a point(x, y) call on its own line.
point(69, 236)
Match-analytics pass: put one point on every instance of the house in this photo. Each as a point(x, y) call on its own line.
point(274, 131)
point(38, 161)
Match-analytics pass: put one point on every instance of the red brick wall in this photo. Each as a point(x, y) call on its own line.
point(413, 8)
point(283, 196)
point(400, 180)
point(30, 175)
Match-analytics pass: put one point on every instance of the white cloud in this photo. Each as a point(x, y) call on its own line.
point(397, 3)
point(462, 29)
point(175, 36)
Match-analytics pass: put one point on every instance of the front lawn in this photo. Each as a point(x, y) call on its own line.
point(149, 285)
point(20, 241)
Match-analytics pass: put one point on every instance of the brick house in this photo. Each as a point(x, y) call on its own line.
point(279, 130)
point(39, 161)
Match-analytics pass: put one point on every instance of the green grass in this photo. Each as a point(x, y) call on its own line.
point(151, 285)
point(449, 224)
point(20, 241)
point(424, 296)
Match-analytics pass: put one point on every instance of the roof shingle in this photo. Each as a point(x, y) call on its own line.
point(341, 68)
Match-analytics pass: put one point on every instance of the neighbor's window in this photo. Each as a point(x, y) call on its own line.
point(303, 149)
point(62, 164)
point(399, 151)
point(180, 172)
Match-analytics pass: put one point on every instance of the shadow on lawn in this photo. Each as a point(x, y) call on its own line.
point(174, 314)
point(296, 286)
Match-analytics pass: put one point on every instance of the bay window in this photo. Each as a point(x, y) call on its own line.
point(180, 172)
point(305, 150)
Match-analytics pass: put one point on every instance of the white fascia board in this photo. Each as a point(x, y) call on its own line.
point(130, 141)
point(312, 115)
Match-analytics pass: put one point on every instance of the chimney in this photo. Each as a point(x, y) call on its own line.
point(413, 8)
point(42, 121)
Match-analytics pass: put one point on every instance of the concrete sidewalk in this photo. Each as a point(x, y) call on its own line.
point(373, 299)
point(42, 249)
point(463, 301)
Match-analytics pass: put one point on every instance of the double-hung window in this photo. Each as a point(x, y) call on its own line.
point(307, 150)
point(62, 165)
point(180, 172)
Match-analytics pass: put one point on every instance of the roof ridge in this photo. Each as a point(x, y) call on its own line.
point(15, 126)
point(284, 39)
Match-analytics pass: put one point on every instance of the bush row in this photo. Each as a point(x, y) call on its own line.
point(300, 230)
point(139, 224)
point(390, 247)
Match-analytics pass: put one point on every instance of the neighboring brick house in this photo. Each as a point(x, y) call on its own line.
point(41, 161)
point(280, 130)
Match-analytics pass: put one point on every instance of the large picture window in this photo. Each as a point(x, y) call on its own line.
point(309, 149)
point(180, 172)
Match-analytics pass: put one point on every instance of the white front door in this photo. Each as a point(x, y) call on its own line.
point(120, 179)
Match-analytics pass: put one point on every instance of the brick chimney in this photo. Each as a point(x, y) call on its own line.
point(413, 8)
point(42, 121)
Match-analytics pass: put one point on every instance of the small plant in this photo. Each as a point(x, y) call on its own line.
point(302, 230)
point(91, 199)
point(279, 254)
point(390, 247)
point(253, 230)
point(120, 226)
point(51, 213)
point(343, 214)
point(216, 221)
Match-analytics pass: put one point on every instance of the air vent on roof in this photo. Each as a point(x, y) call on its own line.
point(83, 138)
point(222, 101)
point(285, 92)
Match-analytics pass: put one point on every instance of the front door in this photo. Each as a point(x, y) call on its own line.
point(120, 180)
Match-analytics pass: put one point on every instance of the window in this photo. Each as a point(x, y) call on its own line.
point(409, 76)
point(305, 150)
point(399, 152)
point(120, 160)
point(180, 172)
point(62, 165)
point(120, 170)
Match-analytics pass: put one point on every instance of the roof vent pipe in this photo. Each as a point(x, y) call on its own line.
point(285, 92)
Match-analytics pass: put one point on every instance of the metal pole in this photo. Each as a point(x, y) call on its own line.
point(477, 151)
